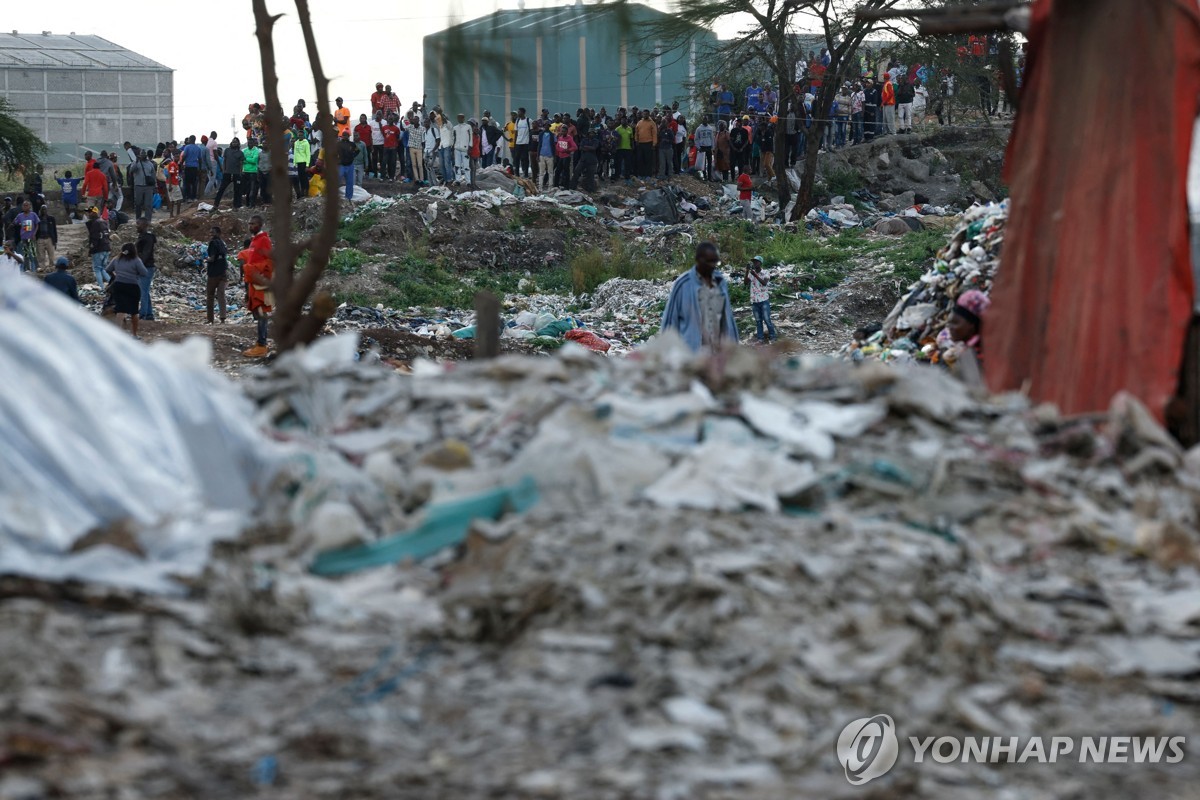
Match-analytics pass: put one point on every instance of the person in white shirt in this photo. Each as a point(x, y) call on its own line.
point(706, 140)
point(11, 262)
point(376, 152)
point(462, 148)
point(521, 165)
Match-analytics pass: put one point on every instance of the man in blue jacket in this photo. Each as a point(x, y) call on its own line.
point(699, 307)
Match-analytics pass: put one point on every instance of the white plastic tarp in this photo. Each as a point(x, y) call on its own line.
point(97, 429)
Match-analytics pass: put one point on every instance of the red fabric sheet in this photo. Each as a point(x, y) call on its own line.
point(1094, 293)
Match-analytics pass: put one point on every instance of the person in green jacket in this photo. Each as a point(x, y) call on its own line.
point(301, 157)
point(624, 155)
point(250, 171)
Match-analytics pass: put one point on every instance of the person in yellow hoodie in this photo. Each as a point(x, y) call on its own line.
point(510, 139)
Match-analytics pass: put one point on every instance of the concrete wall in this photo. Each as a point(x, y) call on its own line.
point(73, 110)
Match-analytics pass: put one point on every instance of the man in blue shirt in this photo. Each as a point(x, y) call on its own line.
point(62, 280)
point(753, 93)
point(193, 155)
point(70, 195)
point(698, 306)
point(725, 98)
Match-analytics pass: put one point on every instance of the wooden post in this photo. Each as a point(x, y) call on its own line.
point(487, 325)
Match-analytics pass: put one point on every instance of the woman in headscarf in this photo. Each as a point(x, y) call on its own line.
point(126, 271)
point(964, 328)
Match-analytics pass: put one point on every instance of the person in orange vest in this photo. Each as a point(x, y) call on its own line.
point(888, 102)
point(258, 270)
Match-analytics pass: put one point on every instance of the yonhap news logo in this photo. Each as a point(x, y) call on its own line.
point(869, 747)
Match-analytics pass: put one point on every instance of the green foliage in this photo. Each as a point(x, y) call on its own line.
point(915, 253)
point(351, 232)
point(347, 261)
point(417, 280)
point(843, 182)
point(20, 147)
point(592, 267)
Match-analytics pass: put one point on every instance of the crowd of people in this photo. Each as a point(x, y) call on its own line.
point(734, 138)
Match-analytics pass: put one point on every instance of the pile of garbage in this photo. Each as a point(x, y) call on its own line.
point(968, 261)
point(620, 314)
point(666, 576)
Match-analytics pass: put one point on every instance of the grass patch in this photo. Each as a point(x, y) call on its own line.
point(351, 232)
point(843, 182)
point(592, 267)
point(419, 281)
point(914, 253)
point(347, 261)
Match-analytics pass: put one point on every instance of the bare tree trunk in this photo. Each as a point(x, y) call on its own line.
point(786, 101)
point(292, 325)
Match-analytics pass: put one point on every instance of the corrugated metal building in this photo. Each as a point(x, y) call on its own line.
point(559, 58)
point(83, 92)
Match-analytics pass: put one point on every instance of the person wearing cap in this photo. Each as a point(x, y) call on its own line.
point(757, 281)
point(377, 99)
point(341, 118)
point(62, 280)
point(698, 307)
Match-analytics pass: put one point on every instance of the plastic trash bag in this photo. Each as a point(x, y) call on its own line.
point(661, 205)
point(588, 339)
point(98, 429)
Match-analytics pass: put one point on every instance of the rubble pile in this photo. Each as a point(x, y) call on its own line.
point(895, 165)
point(664, 576)
point(968, 261)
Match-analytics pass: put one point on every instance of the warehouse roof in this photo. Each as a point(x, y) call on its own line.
point(553, 18)
point(41, 50)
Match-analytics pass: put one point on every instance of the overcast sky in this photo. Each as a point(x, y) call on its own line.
point(211, 47)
